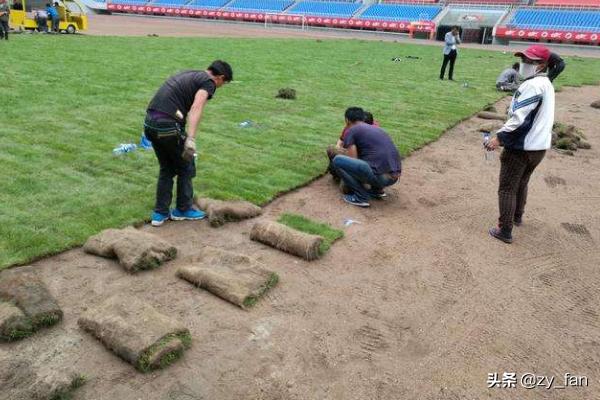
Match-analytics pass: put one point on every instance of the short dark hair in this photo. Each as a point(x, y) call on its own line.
point(219, 67)
point(354, 114)
point(455, 27)
point(368, 118)
point(516, 66)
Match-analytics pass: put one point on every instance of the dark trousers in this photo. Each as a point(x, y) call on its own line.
point(3, 29)
point(55, 23)
point(42, 24)
point(356, 173)
point(448, 57)
point(168, 138)
point(516, 167)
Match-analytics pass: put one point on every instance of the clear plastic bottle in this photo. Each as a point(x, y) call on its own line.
point(488, 154)
point(124, 148)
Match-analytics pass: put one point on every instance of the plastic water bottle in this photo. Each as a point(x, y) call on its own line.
point(124, 148)
point(465, 84)
point(489, 154)
point(246, 124)
point(145, 143)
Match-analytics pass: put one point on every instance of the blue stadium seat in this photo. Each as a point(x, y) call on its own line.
point(260, 5)
point(130, 2)
point(174, 3)
point(325, 8)
point(207, 3)
point(401, 12)
point(588, 21)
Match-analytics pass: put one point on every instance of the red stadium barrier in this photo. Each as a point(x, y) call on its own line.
point(548, 35)
point(388, 26)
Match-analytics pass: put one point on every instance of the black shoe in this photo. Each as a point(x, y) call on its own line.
point(501, 234)
point(378, 195)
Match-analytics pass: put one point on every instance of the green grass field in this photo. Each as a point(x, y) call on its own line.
point(68, 100)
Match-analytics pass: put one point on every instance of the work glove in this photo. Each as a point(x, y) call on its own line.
point(189, 149)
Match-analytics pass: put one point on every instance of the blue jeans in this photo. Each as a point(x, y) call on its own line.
point(356, 173)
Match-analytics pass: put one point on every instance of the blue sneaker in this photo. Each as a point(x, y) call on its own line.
point(158, 219)
point(191, 214)
point(352, 199)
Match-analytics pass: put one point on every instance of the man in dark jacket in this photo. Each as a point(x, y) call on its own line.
point(180, 100)
point(4, 13)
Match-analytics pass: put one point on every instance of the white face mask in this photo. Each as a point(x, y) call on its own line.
point(527, 70)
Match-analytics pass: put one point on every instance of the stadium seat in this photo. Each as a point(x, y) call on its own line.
point(174, 3)
point(130, 2)
point(580, 20)
point(408, 1)
point(484, 2)
point(334, 9)
point(401, 12)
point(207, 3)
point(571, 3)
point(273, 6)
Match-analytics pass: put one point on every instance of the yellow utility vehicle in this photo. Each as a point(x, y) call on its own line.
point(72, 15)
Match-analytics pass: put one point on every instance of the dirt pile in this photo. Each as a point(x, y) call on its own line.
point(286, 93)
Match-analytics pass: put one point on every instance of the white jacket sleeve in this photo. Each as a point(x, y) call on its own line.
point(523, 103)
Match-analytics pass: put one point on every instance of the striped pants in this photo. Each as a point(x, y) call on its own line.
point(516, 167)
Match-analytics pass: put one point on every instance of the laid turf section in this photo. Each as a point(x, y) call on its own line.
point(62, 116)
point(315, 228)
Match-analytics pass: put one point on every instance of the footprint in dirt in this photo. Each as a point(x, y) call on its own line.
point(554, 181)
point(577, 229)
point(426, 202)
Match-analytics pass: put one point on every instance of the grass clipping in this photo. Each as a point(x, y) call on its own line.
point(568, 138)
point(220, 212)
point(137, 332)
point(236, 278)
point(136, 250)
point(26, 305)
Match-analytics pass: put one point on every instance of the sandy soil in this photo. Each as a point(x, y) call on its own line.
point(416, 302)
point(139, 25)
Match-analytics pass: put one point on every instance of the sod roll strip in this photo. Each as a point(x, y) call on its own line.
point(287, 239)
point(220, 212)
point(236, 278)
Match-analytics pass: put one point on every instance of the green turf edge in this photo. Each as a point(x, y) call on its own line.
point(306, 225)
point(144, 360)
point(253, 299)
point(67, 393)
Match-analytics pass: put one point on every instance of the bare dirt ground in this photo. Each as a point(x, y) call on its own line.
point(416, 302)
point(138, 25)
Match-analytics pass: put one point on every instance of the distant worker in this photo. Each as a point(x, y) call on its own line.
point(508, 80)
point(41, 18)
point(452, 39)
point(54, 17)
point(556, 65)
point(525, 136)
point(4, 13)
point(180, 100)
point(17, 5)
point(371, 159)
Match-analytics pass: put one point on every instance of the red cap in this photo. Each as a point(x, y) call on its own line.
point(537, 52)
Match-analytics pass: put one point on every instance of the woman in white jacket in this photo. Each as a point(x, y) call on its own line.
point(525, 137)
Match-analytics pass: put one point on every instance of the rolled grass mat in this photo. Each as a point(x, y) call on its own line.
point(287, 239)
point(303, 224)
point(136, 332)
point(136, 250)
point(20, 380)
point(14, 324)
point(219, 212)
point(25, 289)
point(490, 126)
point(236, 278)
point(596, 104)
point(491, 115)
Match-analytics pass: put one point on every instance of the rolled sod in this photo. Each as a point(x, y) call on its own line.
point(596, 104)
point(21, 380)
point(236, 278)
point(22, 287)
point(135, 249)
point(287, 239)
point(136, 332)
point(220, 212)
point(491, 115)
point(13, 323)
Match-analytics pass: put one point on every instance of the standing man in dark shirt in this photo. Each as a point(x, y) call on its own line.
point(556, 65)
point(179, 100)
point(372, 158)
